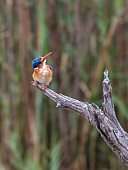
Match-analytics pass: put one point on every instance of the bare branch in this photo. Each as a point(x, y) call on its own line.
point(103, 119)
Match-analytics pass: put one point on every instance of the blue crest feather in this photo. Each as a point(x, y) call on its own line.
point(36, 62)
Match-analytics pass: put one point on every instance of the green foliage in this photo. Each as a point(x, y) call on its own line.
point(55, 157)
point(120, 106)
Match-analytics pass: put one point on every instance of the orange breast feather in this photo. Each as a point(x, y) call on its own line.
point(43, 74)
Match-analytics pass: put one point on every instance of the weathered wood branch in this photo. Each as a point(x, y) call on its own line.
point(103, 119)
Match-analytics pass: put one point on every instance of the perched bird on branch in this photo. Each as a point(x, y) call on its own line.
point(42, 72)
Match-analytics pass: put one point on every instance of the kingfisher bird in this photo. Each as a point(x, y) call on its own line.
point(42, 72)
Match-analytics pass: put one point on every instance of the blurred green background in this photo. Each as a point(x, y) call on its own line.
point(86, 37)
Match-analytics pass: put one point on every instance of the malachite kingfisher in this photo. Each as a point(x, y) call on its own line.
point(42, 72)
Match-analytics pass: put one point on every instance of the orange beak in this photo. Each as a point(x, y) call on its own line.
point(45, 57)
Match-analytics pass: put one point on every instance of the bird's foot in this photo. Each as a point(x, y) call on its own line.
point(44, 87)
point(35, 83)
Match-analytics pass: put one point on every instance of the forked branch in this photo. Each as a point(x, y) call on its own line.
point(103, 119)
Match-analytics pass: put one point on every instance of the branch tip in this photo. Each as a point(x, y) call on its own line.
point(106, 78)
point(105, 74)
